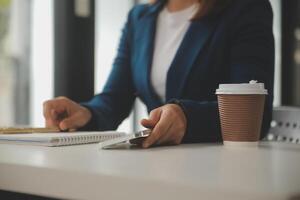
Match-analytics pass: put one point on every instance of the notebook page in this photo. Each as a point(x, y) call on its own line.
point(59, 139)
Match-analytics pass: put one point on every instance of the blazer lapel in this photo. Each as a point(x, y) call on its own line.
point(193, 42)
point(144, 38)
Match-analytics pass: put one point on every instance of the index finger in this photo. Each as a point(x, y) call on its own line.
point(51, 111)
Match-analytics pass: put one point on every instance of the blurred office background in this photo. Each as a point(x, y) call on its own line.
point(66, 47)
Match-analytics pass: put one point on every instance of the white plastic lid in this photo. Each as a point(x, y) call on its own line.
point(244, 88)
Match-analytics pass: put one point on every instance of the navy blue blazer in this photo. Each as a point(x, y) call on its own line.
point(235, 46)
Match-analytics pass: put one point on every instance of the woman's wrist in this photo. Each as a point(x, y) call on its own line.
point(179, 103)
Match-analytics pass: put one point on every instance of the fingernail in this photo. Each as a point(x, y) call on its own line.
point(63, 126)
point(144, 120)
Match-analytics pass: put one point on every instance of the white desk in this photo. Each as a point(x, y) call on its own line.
point(199, 171)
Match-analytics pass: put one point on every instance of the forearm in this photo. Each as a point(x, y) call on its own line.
point(108, 110)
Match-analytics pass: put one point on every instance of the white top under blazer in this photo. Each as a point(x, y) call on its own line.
point(170, 30)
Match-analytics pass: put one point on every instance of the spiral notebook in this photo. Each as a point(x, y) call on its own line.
point(59, 139)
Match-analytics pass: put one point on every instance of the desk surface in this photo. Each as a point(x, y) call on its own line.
point(202, 171)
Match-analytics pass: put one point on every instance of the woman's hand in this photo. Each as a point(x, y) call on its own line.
point(65, 114)
point(168, 124)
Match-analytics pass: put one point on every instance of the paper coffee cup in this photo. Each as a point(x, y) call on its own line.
point(241, 108)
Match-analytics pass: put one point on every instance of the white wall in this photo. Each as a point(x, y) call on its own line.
point(41, 58)
point(276, 4)
point(110, 18)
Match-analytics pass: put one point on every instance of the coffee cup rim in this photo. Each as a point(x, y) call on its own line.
point(242, 88)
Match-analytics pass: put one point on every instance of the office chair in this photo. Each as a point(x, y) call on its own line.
point(285, 126)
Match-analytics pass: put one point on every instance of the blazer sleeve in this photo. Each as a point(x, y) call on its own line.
point(251, 58)
point(114, 103)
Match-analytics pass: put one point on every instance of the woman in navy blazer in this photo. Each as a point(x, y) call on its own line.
point(231, 45)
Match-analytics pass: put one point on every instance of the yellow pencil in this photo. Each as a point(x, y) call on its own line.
point(13, 130)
